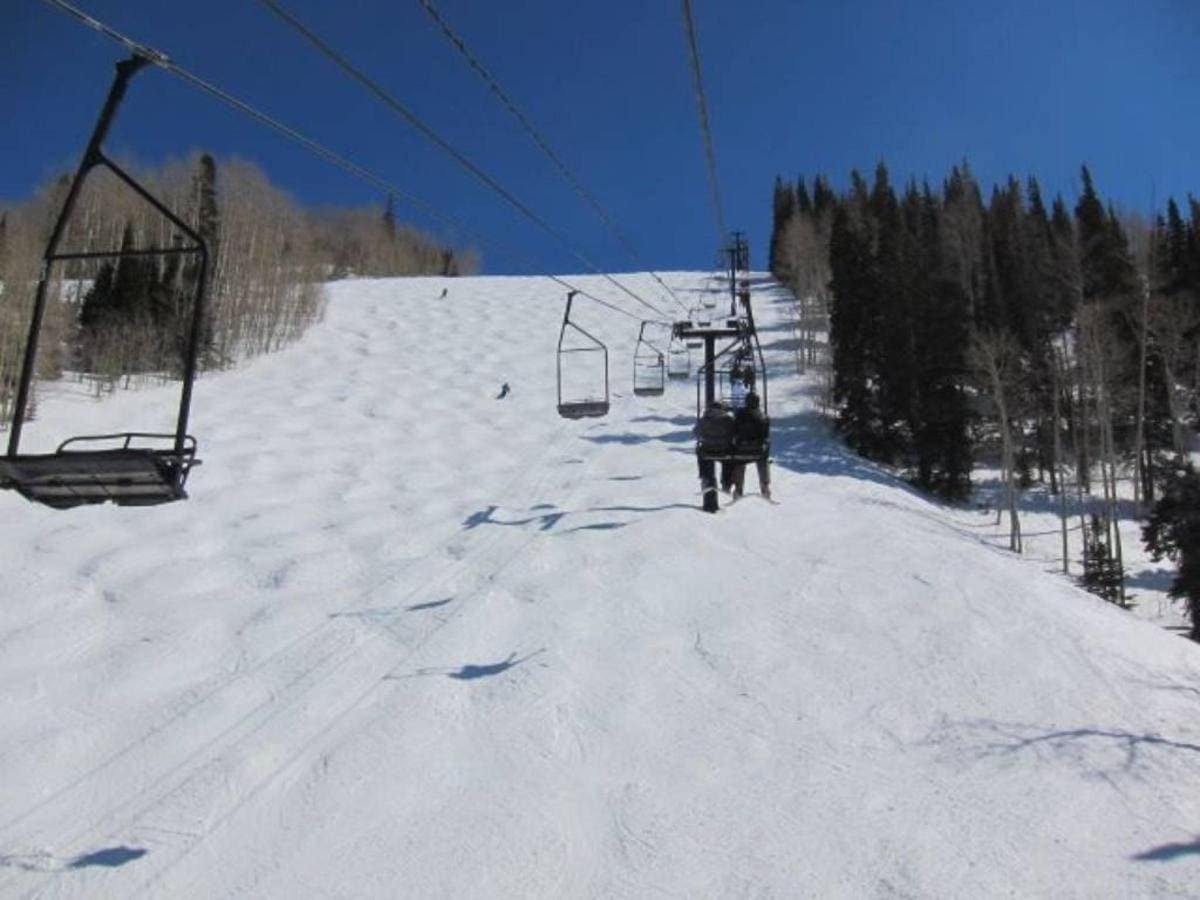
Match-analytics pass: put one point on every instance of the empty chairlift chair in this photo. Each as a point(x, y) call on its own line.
point(649, 367)
point(130, 468)
point(679, 360)
point(583, 393)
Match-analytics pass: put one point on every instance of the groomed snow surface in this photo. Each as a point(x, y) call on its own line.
point(409, 640)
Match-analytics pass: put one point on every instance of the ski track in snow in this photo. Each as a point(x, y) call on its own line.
point(409, 640)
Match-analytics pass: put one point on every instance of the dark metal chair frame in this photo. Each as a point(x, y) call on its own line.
point(125, 474)
point(589, 408)
point(648, 360)
point(675, 348)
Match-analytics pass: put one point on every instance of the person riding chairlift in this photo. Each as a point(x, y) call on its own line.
point(715, 434)
point(751, 427)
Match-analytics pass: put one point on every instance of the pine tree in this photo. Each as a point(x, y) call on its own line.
point(804, 204)
point(824, 199)
point(783, 208)
point(896, 269)
point(389, 218)
point(1102, 574)
point(850, 329)
point(1108, 272)
point(942, 443)
point(1173, 531)
point(208, 216)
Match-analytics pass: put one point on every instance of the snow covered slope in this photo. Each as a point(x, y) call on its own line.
point(409, 640)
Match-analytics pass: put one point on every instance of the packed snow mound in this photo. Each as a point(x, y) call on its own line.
point(410, 639)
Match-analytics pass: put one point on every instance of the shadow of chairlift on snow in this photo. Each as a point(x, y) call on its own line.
point(548, 521)
point(484, 517)
point(469, 671)
point(108, 858)
point(1168, 852)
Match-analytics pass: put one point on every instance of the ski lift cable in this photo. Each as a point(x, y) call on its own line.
point(702, 112)
point(507, 102)
point(396, 106)
point(164, 62)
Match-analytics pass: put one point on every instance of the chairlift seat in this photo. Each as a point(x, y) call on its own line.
point(125, 475)
point(734, 451)
point(657, 391)
point(583, 409)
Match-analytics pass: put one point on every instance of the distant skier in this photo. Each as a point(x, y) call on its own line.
point(445, 291)
point(504, 391)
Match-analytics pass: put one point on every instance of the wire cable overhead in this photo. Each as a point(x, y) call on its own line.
point(163, 61)
point(412, 119)
point(689, 27)
point(563, 169)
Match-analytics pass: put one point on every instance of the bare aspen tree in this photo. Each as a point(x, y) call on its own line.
point(1170, 320)
point(1104, 357)
point(995, 357)
point(1056, 375)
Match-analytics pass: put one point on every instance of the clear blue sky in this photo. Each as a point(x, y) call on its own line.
point(795, 86)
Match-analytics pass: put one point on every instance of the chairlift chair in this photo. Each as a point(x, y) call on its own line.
point(588, 403)
point(694, 342)
point(130, 468)
point(649, 367)
point(679, 360)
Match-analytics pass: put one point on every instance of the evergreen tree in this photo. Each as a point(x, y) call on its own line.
point(208, 216)
point(97, 301)
point(896, 268)
point(850, 329)
point(389, 218)
point(783, 208)
point(804, 204)
point(942, 442)
point(824, 199)
point(1102, 575)
point(1107, 269)
point(1173, 531)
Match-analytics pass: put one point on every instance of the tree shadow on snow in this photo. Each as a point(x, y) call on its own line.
point(803, 443)
point(1152, 579)
point(1090, 749)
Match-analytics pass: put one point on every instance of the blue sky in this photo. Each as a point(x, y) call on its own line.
point(794, 86)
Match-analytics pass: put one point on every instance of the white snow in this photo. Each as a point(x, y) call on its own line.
point(409, 640)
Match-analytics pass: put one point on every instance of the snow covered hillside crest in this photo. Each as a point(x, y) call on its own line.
point(407, 639)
